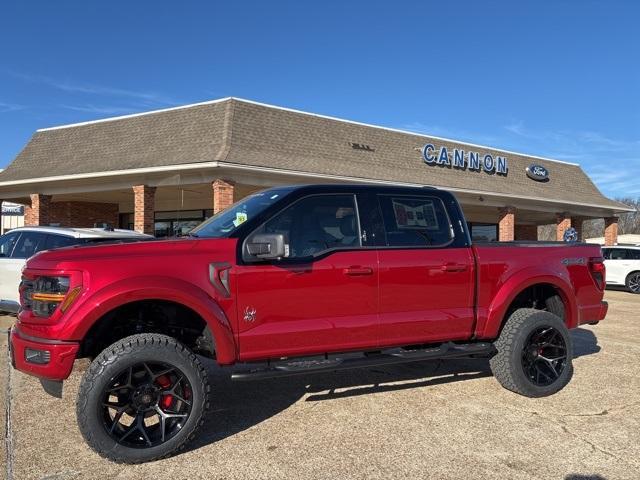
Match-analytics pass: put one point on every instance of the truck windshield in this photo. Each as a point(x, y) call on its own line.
point(224, 223)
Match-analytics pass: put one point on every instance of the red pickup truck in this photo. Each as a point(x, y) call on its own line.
point(288, 281)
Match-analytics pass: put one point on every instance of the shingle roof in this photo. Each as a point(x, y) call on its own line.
point(247, 133)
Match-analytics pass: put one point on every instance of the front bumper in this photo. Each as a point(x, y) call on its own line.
point(61, 355)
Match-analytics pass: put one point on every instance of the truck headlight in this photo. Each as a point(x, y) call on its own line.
point(47, 293)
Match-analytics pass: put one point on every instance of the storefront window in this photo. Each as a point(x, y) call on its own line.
point(483, 232)
point(170, 224)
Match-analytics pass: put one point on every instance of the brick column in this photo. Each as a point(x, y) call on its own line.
point(38, 212)
point(563, 222)
point(506, 224)
point(527, 232)
point(611, 230)
point(576, 222)
point(144, 205)
point(222, 194)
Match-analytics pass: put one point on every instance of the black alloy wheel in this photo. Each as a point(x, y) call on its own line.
point(143, 398)
point(544, 356)
point(534, 353)
point(146, 404)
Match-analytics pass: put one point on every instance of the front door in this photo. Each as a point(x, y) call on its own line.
point(426, 282)
point(322, 297)
point(10, 268)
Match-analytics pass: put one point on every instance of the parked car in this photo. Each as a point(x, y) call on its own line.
point(290, 281)
point(21, 243)
point(623, 266)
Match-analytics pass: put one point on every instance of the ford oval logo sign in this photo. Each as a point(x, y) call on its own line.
point(538, 173)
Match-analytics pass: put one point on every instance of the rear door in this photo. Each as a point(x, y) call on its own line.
point(426, 272)
point(323, 296)
point(617, 264)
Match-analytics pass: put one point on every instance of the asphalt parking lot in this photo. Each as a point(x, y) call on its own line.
point(424, 420)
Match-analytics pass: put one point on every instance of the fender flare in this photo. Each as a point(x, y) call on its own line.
point(164, 288)
point(517, 284)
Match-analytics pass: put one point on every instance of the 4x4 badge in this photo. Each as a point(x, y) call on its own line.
point(249, 314)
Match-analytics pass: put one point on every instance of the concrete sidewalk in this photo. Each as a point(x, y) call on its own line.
point(425, 420)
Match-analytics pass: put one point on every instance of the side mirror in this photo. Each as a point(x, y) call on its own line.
point(266, 246)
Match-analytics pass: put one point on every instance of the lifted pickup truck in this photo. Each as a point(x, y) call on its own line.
point(288, 281)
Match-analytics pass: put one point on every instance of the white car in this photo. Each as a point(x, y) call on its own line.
point(21, 243)
point(623, 266)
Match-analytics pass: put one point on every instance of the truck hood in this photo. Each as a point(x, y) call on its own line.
point(76, 256)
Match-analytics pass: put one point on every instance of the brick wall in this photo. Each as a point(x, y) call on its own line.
point(144, 208)
point(222, 194)
point(506, 224)
point(527, 232)
point(70, 214)
point(611, 230)
point(38, 212)
point(563, 222)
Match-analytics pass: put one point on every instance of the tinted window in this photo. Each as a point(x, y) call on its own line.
point(484, 232)
point(315, 224)
point(617, 254)
point(29, 244)
point(7, 243)
point(59, 241)
point(415, 221)
point(633, 254)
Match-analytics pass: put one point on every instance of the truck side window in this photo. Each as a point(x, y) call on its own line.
point(315, 224)
point(415, 221)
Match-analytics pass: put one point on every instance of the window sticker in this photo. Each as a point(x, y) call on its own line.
point(241, 217)
point(415, 214)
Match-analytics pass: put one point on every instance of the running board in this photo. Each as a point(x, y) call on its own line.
point(285, 368)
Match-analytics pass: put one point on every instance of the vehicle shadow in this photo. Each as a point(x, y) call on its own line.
point(585, 342)
point(238, 406)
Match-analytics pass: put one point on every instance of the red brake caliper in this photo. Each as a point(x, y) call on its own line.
point(166, 399)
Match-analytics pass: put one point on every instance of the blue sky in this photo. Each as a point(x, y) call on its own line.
point(556, 78)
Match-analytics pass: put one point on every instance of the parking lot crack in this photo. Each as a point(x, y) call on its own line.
point(559, 419)
point(599, 449)
point(8, 438)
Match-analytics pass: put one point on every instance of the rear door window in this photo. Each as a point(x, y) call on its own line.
point(415, 221)
point(633, 254)
point(617, 254)
point(29, 244)
point(59, 241)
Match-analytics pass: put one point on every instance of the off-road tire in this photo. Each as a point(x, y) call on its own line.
point(633, 276)
point(146, 347)
point(506, 364)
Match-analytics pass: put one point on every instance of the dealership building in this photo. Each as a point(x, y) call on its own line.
point(163, 172)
